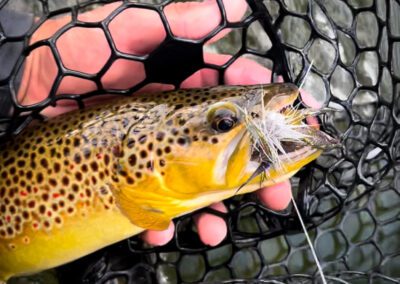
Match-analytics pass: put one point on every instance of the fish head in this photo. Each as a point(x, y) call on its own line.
point(235, 137)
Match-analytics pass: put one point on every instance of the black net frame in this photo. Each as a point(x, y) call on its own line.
point(340, 184)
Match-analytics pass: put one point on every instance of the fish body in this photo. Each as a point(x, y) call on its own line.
point(89, 178)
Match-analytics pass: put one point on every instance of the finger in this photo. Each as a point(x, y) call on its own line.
point(247, 72)
point(313, 121)
point(310, 101)
point(159, 238)
point(242, 72)
point(212, 229)
point(276, 197)
point(203, 78)
point(139, 31)
point(51, 25)
point(156, 87)
point(184, 18)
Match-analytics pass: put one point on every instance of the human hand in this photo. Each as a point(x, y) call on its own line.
point(86, 50)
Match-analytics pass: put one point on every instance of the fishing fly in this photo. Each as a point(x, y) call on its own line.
point(270, 131)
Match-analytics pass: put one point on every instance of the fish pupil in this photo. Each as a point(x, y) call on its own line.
point(225, 124)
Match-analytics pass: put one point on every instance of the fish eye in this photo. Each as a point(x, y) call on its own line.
point(223, 118)
point(224, 123)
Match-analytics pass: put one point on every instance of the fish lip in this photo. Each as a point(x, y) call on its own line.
point(287, 93)
point(299, 154)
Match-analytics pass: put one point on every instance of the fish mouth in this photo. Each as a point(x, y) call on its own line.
point(293, 155)
point(304, 144)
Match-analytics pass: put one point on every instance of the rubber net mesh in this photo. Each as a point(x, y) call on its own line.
point(349, 197)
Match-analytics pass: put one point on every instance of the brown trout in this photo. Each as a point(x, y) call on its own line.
point(89, 178)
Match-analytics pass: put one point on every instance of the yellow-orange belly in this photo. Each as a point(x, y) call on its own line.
point(78, 236)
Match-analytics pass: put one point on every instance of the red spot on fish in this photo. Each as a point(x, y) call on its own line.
point(82, 195)
point(8, 219)
point(35, 225)
point(23, 193)
point(99, 156)
point(71, 167)
point(49, 213)
point(35, 189)
point(56, 195)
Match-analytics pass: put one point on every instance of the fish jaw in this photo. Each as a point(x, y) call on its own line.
point(273, 177)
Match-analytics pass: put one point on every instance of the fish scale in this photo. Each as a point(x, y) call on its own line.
point(89, 178)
